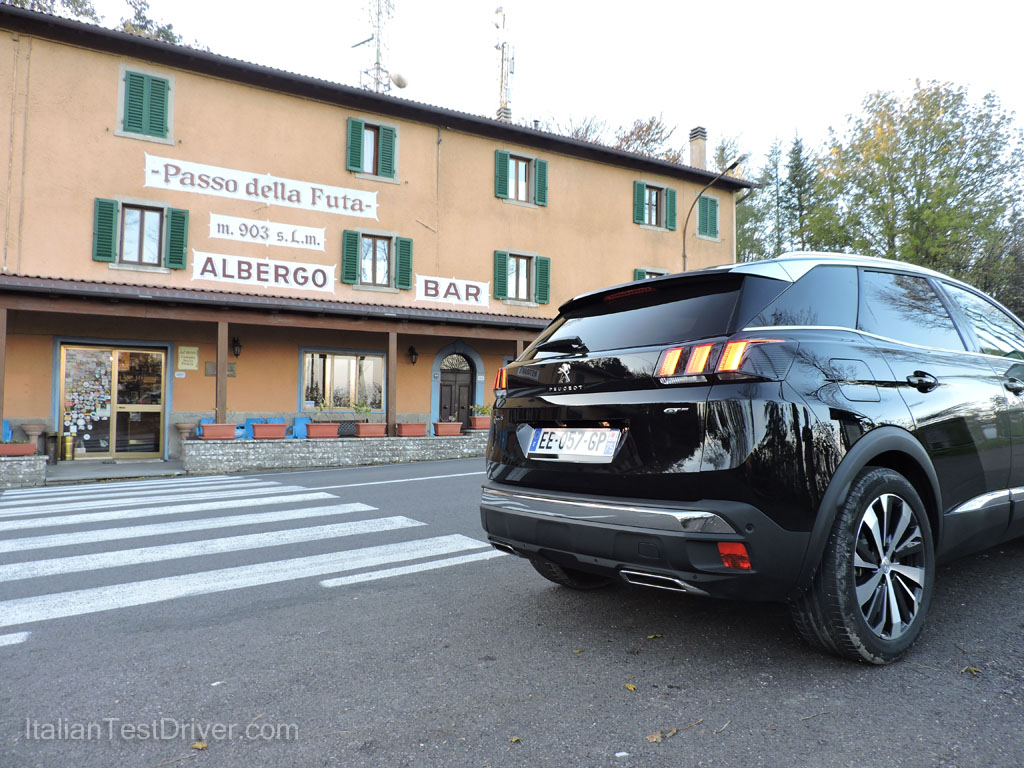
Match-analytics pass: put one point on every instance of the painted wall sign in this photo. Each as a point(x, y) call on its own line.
point(188, 358)
point(183, 176)
point(266, 232)
point(449, 290)
point(270, 273)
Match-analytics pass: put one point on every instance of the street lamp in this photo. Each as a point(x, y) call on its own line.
point(728, 168)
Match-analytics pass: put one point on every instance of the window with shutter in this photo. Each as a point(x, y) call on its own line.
point(520, 178)
point(371, 148)
point(707, 217)
point(146, 106)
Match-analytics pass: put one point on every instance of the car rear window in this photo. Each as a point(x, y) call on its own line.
point(661, 312)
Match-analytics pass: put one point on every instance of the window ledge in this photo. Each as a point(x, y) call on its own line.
point(145, 137)
point(140, 268)
point(520, 203)
point(651, 228)
point(376, 288)
point(709, 239)
point(373, 177)
point(520, 303)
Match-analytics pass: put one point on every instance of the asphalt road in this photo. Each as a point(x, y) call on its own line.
point(139, 619)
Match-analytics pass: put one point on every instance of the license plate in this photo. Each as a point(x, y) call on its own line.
point(561, 444)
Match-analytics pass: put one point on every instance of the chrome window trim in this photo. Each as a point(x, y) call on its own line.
point(761, 328)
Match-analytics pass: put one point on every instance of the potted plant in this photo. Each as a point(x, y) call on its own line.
point(317, 428)
point(17, 448)
point(412, 428)
point(448, 428)
point(365, 427)
point(269, 431)
point(481, 418)
point(218, 430)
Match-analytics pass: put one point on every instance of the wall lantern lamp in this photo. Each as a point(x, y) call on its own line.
point(236, 346)
point(413, 355)
point(728, 168)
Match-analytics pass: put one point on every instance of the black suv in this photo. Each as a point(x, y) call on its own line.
point(820, 430)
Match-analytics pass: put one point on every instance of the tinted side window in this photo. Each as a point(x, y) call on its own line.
point(905, 308)
point(997, 332)
point(824, 296)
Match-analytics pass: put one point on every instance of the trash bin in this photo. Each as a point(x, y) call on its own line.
point(50, 441)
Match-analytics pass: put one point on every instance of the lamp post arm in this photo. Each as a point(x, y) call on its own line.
point(704, 189)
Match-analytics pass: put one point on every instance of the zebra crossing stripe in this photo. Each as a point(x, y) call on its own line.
point(11, 506)
point(62, 565)
point(100, 503)
point(183, 526)
point(26, 610)
point(123, 484)
point(406, 569)
point(128, 514)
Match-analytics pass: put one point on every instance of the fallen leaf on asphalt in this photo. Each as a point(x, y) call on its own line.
point(514, 740)
point(657, 737)
point(630, 687)
point(671, 733)
point(199, 745)
point(652, 637)
point(972, 670)
point(578, 650)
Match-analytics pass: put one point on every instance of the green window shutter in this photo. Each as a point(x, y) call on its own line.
point(104, 230)
point(156, 102)
point(639, 199)
point(354, 150)
point(712, 217)
point(404, 268)
point(670, 208)
point(350, 257)
point(639, 274)
point(501, 274)
point(134, 102)
point(540, 180)
point(702, 217)
point(176, 251)
point(707, 215)
point(500, 174)
point(543, 279)
point(386, 152)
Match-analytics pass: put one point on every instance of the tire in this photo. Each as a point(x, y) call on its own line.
point(870, 596)
point(569, 577)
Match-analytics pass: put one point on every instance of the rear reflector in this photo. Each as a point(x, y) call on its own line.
point(734, 555)
point(669, 361)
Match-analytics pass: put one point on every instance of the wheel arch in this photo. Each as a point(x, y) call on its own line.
point(889, 447)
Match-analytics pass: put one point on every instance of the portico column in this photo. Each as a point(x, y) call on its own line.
point(222, 371)
point(3, 356)
point(391, 406)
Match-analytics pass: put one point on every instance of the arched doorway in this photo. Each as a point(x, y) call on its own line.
point(456, 389)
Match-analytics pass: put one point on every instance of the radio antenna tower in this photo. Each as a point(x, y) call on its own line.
point(508, 66)
point(376, 77)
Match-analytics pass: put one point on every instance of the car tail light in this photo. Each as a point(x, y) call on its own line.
point(500, 382)
point(734, 555)
point(698, 359)
point(669, 362)
point(757, 358)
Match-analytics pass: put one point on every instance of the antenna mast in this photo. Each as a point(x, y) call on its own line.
point(377, 78)
point(508, 66)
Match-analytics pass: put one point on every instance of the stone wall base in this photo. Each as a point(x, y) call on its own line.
point(22, 471)
point(216, 456)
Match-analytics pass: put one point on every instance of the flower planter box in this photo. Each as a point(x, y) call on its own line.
point(412, 429)
point(322, 429)
point(269, 431)
point(218, 432)
point(17, 449)
point(371, 429)
point(479, 422)
point(447, 428)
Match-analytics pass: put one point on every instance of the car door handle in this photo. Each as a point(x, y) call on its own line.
point(922, 382)
point(1014, 385)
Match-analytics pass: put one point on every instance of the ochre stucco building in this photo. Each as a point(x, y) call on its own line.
point(186, 235)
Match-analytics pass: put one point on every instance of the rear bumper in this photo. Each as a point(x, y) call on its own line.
point(655, 539)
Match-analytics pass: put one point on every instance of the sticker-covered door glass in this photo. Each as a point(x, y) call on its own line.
point(86, 399)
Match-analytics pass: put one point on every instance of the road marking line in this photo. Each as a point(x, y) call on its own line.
point(121, 514)
point(64, 604)
point(401, 480)
point(401, 571)
point(100, 486)
point(16, 637)
point(182, 526)
point(16, 507)
point(62, 565)
point(12, 545)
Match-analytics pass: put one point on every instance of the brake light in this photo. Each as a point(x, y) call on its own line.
point(734, 555)
point(698, 359)
point(501, 379)
point(669, 361)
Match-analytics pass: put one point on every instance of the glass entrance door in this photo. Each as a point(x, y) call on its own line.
point(112, 401)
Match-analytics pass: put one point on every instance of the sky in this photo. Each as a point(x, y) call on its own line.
point(747, 70)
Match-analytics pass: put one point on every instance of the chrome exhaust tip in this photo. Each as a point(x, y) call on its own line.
point(659, 581)
point(503, 547)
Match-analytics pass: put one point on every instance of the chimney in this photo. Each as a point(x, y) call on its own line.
point(699, 148)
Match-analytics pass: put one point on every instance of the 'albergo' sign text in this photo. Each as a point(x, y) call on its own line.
point(266, 272)
point(183, 176)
